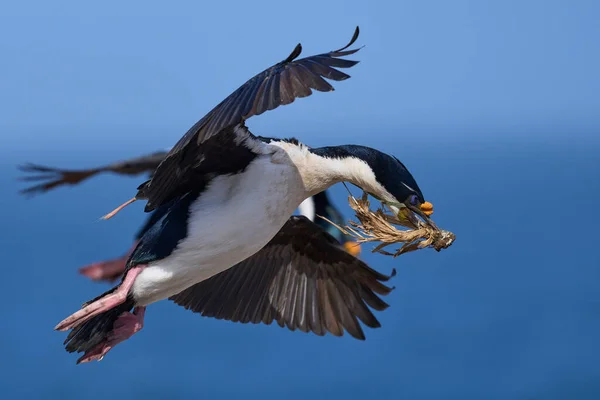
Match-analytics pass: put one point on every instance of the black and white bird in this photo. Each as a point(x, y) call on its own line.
point(49, 178)
point(227, 245)
point(320, 205)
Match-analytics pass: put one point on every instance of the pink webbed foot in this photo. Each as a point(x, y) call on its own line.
point(103, 304)
point(110, 270)
point(124, 327)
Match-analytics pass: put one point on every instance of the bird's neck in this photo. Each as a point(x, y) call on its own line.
point(323, 167)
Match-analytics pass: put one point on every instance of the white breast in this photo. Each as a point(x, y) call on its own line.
point(234, 218)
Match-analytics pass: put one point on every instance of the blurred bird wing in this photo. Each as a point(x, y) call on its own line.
point(50, 177)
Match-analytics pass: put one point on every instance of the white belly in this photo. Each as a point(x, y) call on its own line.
point(234, 218)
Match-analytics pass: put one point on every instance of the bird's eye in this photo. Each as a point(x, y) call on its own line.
point(414, 200)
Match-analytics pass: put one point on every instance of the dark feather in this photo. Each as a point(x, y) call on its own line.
point(169, 227)
point(302, 279)
point(275, 86)
point(91, 333)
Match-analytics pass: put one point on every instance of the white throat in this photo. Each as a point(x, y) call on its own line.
point(319, 173)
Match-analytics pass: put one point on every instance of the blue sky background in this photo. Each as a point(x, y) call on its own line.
point(492, 105)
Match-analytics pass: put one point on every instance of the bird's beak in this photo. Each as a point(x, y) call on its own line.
point(427, 208)
point(352, 248)
point(424, 211)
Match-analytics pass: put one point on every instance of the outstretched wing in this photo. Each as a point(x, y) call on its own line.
point(50, 178)
point(278, 85)
point(302, 279)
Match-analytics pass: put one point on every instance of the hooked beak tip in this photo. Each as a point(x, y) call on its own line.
point(427, 208)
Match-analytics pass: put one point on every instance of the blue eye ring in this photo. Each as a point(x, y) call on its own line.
point(413, 200)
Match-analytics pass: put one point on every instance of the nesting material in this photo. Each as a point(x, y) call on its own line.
point(380, 226)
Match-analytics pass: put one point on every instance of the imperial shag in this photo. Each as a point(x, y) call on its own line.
point(49, 178)
point(227, 245)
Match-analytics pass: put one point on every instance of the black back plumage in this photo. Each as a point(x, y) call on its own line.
point(278, 85)
point(169, 227)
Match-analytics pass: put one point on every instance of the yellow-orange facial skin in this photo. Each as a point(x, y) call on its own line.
point(352, 247)
point(404, 213)
point(427, 208)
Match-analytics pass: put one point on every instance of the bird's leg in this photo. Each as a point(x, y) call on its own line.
point(103, 304)
point(116, 210)
point(109, 270)
point(124, 327)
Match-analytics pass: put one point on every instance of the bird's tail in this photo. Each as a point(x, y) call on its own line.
point(91, 333)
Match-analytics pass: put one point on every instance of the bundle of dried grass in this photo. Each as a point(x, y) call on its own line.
point(377, 226)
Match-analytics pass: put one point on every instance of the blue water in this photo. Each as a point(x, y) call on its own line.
point(510, 311)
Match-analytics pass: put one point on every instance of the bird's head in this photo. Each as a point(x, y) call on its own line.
point(400, 187)
point(382, 176)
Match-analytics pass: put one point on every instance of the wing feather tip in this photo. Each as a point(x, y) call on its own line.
point(294, 54)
